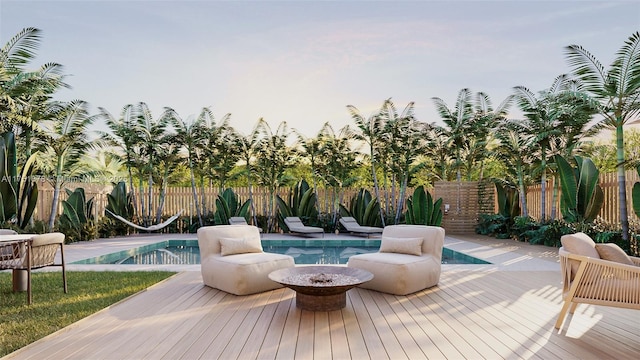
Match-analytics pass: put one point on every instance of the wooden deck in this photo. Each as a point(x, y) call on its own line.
point(471, 314)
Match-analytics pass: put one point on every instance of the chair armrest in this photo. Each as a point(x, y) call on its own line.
point(592, 269)
point(635, 260)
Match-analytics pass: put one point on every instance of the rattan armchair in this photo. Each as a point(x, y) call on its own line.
point(36, 253)
point(590, 280)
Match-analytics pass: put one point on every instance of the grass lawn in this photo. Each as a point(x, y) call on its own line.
point(52, 309)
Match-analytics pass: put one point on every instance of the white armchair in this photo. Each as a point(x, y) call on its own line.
point(409, 259)
point(232, 259)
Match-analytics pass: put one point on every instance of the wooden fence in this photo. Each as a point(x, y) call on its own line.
point(462, 203)
point(610, 212)
point(464, 200)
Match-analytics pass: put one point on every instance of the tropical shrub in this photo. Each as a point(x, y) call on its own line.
point(422, 210)
point(18, 194)
point(508, 201)
point(493, 225)
point(499, 225)
point(228, 205)
point(364, 208)
point(301, 202)
point(119, 202)
point(77, 221)
point(635, 195)
point(582, 197)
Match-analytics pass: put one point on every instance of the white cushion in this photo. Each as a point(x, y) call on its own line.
point(240, 273)
point(579, 244)
point(243, 274)
point(230, 246)
point(409, 246)
point(403, 274)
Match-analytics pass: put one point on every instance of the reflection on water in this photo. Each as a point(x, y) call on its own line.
point(304, 252)
point(174, 255)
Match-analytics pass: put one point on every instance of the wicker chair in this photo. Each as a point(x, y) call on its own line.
point(37, 253)
point(588, 279)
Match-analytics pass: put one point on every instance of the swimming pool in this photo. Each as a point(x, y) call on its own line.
point(303, 251)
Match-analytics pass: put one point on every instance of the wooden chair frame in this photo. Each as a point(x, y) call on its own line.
point(598, 282)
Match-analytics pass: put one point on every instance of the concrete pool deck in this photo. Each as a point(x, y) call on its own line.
point(504, 255)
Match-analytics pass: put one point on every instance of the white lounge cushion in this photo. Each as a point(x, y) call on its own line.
point(403, 274)
point(398, 274)
point(231, 246)
point(409, 246)
point(244, 274)
point(239, 274)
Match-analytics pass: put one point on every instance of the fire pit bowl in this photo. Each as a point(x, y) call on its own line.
point(321, 288)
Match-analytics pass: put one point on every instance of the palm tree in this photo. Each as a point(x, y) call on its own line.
point(123, 137)
point(66, 140)
point(312, 149)
point(514, 149)
point(337, 162)
point(274, 157)
point(189, 135)
point(458, 122)
point(151, 135)
point(169, 161)
point(404, 136)
point(24, 95)
point(224, 154)
point(108, 167)
point(248, 147)
point(618, 91)
point(439, 151)
point(208, 155)
point(370, 131)
point(543, 122)
point(485, 120)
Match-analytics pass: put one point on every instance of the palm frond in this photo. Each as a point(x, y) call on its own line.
point(559, 83)
point(626, 66)
point(587, 68)
point(20, 49)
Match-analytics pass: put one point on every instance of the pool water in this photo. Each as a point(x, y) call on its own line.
point(303, 251)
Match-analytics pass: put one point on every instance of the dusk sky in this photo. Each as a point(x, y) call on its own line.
point(303, 62)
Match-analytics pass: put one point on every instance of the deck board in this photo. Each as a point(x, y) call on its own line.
point(470, 314)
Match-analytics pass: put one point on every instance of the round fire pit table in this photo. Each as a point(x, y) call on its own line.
point(321, 288)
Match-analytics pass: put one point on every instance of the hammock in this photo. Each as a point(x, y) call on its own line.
point(150, 228)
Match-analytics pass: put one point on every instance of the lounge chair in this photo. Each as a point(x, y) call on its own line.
point(351, 225)
point(597, 274)
point(239, 220)
point(232, 259)
point(409, 259)
point(295, 225)
point(38, 253)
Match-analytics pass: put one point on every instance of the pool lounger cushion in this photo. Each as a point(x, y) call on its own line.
point(295, 225)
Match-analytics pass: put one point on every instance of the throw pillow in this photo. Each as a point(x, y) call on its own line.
point(239, 246)
point(409, 246)
point(579, 244)
point(613, 252)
